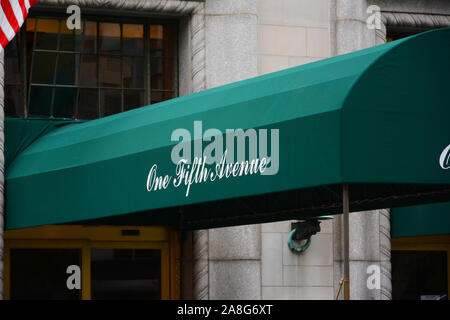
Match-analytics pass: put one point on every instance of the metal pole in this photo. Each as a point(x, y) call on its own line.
point(346, 279)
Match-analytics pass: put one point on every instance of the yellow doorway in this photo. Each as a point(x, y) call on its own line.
point(112, 261)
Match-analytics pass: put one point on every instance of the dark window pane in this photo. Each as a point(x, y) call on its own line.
point(110, 72)
point(161, 40)
point(90, 37)
point(12, 62)
point(44, 67)
point(133, 39)
point(78, 39)
point(30, 26)
point(133, 72)
point(111, 101)
point(14, 105)
point(126, 274)
point(158, 96)
point(88, 104)
point(67, 40)
point(64, 104)
point(12, 70)
point(47, 31)
point(67, 63)
point(14, 99)
point(109, 40)
point(40, 101)
point(133, 99)
point(162, 73)
point(41, 274)
point(88, 71)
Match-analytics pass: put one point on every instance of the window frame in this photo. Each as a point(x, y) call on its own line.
point(146, 22)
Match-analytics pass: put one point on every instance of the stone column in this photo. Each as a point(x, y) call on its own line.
point(231, 41)
point(369, 246)
point(369, 230)
point(235, 263)
point(348, 26)
point(200, 270)
point(231, 55)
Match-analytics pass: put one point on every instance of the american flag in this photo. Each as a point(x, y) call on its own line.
point(12, 16)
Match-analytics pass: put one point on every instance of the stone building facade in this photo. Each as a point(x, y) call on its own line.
point(223, 41)
point(254, 262)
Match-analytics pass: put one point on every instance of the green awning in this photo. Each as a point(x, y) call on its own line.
point(421, 220)
point(21, 133)
point(377, 119)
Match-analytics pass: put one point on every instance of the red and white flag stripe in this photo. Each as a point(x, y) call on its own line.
point(12, 16)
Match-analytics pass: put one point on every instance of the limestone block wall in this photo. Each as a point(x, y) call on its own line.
point(291, 33)
point(296, 276)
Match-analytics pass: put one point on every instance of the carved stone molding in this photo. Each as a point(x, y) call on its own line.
point(200, 272)
point(409, 20)
point(184, 7)
point(416, 20)
point(198, 51)
point(385, 255)
point(380, 34)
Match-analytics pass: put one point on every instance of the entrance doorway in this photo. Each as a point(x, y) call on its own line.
point(77, 262)
point(421, 268)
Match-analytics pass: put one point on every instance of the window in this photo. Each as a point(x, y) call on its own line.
point(106, 67)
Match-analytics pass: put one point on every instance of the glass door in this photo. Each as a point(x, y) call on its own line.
point(41, 274)
point(421, 267)
point(101, 263)
point(125, 274)
point(419, 275)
